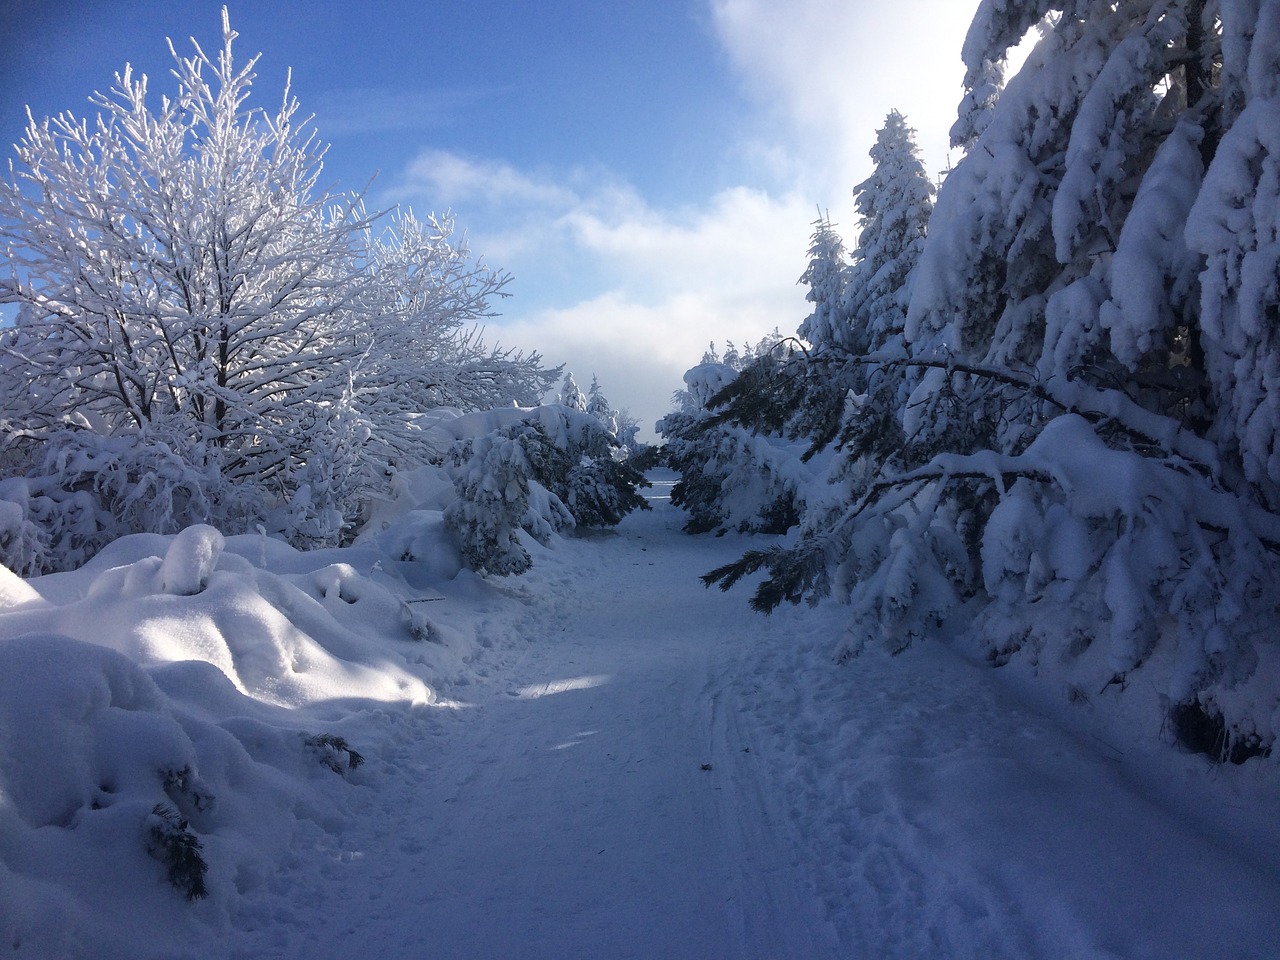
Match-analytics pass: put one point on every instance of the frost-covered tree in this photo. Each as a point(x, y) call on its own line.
point(598, 406)
point(571, 394)
point(203, 333)
point(1088, 474)
point(540, 473)
point(428, 298)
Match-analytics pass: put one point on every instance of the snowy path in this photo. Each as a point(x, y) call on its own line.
point(563, 809)
point(649, 770)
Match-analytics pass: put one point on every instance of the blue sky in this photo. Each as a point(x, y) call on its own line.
point(648, 170)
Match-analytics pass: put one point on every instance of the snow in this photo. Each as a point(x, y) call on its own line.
point(600, 758)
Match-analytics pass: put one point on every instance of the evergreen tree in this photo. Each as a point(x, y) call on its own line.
point(827, 327)
point(894, 205)
point(598, 407)
point(1088, 467)
point(571, 395)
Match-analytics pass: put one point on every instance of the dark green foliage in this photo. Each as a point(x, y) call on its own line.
point(600, 492)
point(698, 489)
point(598, 489)
point(644, 458)
point(172, 842)
point(548, 463)
point(779, 516)
point(764, 396)
point(789, 392)
point(794, 575)
point(1202, 729)
point(329, 749)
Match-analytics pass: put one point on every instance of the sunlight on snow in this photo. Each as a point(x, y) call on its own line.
point(578, 738)
point(537, 690)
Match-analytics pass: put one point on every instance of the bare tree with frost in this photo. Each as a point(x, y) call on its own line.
point(204, 333)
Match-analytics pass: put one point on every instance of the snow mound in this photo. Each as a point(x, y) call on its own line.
point(190, 560)
point(182, 712)
point(285, 639)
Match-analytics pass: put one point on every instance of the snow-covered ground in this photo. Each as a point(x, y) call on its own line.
point(598, 759)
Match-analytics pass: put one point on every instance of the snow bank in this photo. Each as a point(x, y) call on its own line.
point(172, 717)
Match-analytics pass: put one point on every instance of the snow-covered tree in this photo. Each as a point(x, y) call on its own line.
point(429, 296)
point(539, 473)
point(238, 344)
point(850, 383)
point(1235, 224)
point(571, 394)
point(827, 327)
point(1088, 474)
point(598, 406)
point(894, 205)
point(731, 477)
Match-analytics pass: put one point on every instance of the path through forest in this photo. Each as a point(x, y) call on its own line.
point(650, 770)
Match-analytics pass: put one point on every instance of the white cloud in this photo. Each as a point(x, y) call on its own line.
point(829, 71)
point(439, 173)
point(650, 288)
point(611, 285)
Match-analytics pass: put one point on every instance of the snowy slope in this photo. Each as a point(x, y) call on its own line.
point(597, 759)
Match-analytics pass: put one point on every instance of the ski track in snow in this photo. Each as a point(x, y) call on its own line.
point(633, 773)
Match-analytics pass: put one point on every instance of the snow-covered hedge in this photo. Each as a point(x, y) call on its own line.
point(540, 472)
point(499, 476)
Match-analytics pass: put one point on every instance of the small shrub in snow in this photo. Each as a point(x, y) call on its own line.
point(171, 841)
point(24, 544)
point(1203, 729)
point(185, 788)
point(190, 560)
point(330, 751)
point(492, 476)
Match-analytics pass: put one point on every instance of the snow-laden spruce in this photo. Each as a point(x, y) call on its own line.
point(732, 478)
point(205, 334)
point(1078, 469)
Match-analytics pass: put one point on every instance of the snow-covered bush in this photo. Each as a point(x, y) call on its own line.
point(494, 479)
point(543, 472)
point(86, 490)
